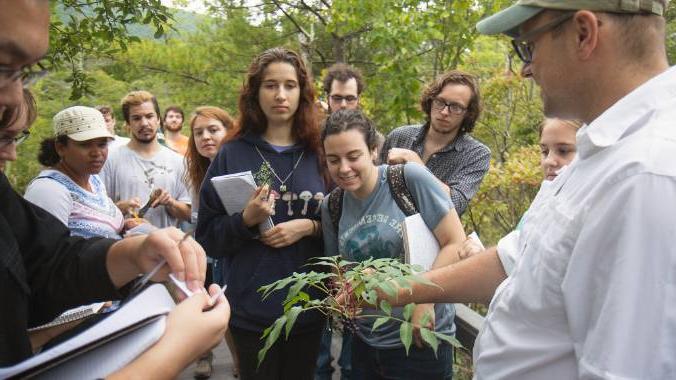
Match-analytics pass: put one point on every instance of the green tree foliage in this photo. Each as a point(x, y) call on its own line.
point(97, 28)
point(505, 194)
point(671, 34)
point(399, 45)
point(203, 67)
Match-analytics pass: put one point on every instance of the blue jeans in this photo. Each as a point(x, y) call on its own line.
point(369, 363)
point(324, 368)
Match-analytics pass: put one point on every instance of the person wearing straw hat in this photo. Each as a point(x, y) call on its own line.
point(592, 294)
point(70, 188)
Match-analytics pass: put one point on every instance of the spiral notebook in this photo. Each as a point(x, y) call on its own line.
point(72, 315)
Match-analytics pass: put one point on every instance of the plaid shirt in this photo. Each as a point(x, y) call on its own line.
point(461, 165)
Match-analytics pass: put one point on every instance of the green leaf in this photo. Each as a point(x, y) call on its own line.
point(388, 289)
point(295, 289)
point(159, 32)
point(371, 297)
point(302, 297)
point(429, 338)
point(291, 316)
point(449, 339)
point(402, 282)
point(425, 318)
point(408, 311)
point(379, 322)
point(406, 335)
point(386, 307)
point(271, 334)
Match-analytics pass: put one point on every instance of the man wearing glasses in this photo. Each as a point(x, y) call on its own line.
point(593, 294)
point(451, 103)
point(343, 85)
point(14, 127)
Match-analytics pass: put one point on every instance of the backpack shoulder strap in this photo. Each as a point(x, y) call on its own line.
point(399, 189)
point(336, 206)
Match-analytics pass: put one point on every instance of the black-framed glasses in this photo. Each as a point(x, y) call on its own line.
point(453, 107)
point(348, 99)
point(6, 140)
point(524, 45)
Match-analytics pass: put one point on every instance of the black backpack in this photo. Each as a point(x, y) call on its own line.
point(398, 188)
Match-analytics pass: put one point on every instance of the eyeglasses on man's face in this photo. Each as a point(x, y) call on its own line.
point(9, 75)
point(350, 99)
point(524, 45)
point(453, 107)
point(6, 140)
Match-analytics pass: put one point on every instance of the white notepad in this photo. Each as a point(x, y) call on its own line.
point(127, 332)
point(235, 190)
point(420, 245)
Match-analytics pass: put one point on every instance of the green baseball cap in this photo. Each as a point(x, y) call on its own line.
point(508, 20)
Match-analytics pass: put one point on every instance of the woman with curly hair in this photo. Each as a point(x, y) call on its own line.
point(278, 142)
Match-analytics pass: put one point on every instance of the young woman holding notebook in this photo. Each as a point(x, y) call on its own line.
point(278, 141)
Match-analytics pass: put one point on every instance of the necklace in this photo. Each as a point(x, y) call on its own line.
point(282, 183)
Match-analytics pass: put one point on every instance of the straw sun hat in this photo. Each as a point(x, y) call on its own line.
point(80, 124)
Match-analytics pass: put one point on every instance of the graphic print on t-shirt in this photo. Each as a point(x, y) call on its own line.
point(153, 171)
point(373, 236)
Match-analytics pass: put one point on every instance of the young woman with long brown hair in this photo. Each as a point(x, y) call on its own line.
point(279, 143)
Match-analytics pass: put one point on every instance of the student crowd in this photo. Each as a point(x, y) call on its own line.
point(564, 287)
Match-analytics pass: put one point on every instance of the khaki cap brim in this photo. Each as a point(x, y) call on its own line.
point(508, 20)
point(91, 134)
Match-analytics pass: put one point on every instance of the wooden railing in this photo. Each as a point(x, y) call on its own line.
point(467, 325)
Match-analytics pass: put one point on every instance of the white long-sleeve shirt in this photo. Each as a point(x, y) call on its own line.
point(593, 295)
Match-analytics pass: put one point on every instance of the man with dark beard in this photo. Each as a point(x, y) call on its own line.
point(451, 104)
point(143, 167)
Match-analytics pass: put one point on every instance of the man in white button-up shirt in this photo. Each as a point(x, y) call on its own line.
point(594, 293)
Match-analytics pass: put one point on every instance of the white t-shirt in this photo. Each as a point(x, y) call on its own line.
point(127, 175)
point(117, 142)
point(593, 292)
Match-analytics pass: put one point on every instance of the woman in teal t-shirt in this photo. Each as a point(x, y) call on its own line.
point(371, 226)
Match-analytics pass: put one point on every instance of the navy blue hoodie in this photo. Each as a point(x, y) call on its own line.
point(251, 264)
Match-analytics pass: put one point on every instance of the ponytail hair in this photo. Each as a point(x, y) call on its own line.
point(47, 155)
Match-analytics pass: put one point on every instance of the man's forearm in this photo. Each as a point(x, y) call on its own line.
point(472, 280)
point(179, 210)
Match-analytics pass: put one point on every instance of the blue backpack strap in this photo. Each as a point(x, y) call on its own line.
point(399, 189)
